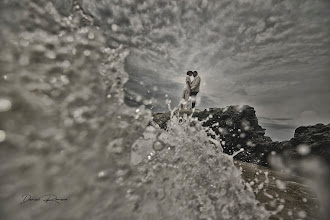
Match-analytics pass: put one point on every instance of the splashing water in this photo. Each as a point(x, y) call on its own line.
point(199, 181)
point(69, 133)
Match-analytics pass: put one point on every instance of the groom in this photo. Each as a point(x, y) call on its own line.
point(195, 88)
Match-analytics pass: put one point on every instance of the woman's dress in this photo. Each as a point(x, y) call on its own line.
point(186, 92)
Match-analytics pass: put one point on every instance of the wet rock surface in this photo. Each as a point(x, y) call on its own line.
point(237, 127)
point(287, 196)
point(308, 142)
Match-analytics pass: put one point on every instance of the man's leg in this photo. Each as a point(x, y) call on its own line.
point(193, 98)
point(193, 104)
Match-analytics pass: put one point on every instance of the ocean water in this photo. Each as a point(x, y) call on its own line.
point(67, 132)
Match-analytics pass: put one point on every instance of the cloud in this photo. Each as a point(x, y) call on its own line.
point(273, 55)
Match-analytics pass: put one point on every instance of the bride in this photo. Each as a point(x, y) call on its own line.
point(186, 92)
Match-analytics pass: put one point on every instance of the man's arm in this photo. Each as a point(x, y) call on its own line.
point(192, 85)
point(195, 83)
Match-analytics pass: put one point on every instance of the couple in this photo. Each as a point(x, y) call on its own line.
point(190, 90)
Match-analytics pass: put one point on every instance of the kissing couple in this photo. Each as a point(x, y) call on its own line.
point(190, 91)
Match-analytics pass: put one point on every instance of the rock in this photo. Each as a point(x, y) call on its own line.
point(315, 137)
point(237, 127)
point(274, 188)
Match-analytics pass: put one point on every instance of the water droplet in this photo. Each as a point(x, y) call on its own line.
point(303, 149)
point(280, 184)
point(229, 122)
point(237, 152)
point(266, 176)
point(5, 105)
point(53, 80)
point(90, 36)
point(102, 175)
point(87, 53)
point(302, 214)
point(50, 54)
point(66, 63)
point(114, 27)
point(157, 146)
point(70, 39)
point(2, 135)
point(65, 79)
point(121, 173)
point(250, 144)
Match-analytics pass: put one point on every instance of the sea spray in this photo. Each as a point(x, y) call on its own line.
point(198, 181)
point(69, 134)
point(68, 131)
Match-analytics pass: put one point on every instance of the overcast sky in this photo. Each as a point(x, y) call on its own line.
point(273, 55)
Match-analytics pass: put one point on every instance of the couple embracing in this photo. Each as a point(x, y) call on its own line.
point(190, 90)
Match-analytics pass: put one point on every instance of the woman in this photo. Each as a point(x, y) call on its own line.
point(186, 91)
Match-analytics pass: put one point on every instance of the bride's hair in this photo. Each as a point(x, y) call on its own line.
point(189, 72)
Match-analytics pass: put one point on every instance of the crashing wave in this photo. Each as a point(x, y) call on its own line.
point(69, 133)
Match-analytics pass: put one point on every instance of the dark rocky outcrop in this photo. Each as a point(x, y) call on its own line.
point(308, 141)
point(237, 127)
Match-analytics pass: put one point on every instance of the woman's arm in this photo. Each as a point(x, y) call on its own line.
point(188, 82)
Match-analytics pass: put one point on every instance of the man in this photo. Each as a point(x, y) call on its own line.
point(195, 88)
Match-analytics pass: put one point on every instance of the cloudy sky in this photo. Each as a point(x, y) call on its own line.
point(273, 55)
